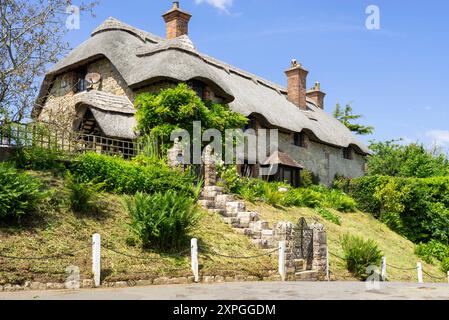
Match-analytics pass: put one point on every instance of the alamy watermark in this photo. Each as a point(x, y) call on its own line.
point(237, 146)
point(73, 20)
point(373, 20)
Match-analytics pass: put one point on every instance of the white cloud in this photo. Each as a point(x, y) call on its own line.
point(222, 5)
point(439, 137)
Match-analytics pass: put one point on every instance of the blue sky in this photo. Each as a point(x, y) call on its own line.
point(397, 77)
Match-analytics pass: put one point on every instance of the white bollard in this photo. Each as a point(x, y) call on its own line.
point(194, 251)
point(328, 278)
point(96, 259)
point(383, 273)
point(448, 277)
point(419, 268)
point(282, 260)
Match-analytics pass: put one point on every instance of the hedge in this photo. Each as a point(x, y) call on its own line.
point(425, 203)
point(128, 177)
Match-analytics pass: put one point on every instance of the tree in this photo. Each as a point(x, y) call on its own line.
point(158, 115)
point(347, 117)
point(31, 38)
point(414, 160)
point(178, 108)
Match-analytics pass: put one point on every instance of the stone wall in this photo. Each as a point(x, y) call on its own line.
point(59, 106)
point(323, 160)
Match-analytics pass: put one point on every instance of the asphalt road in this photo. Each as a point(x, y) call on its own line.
point(249, 291)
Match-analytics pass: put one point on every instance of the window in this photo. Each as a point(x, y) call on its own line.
point(250, 125)
point(81, 84)
point(347, 153)
point(198, 87)
point(300, 139)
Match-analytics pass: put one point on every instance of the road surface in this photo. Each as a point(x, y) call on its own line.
point(249, 291)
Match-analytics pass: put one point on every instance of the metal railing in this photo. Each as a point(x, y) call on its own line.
point(45, 136)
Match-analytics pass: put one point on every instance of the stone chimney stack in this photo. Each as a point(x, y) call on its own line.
point(176, 21)
point(297, 85)
point(316, 95)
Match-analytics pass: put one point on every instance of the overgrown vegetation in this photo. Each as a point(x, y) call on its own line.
point(329, 216)
point(83, 196)
point(418, 207)
point(39, 159)
point(127, 177)
point(313, 196)
point(20, 193)
point(359, 254)
point(162, 220)
point(413, 160)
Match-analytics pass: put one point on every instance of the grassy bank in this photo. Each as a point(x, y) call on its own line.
point(55, 230)
point(398, 250)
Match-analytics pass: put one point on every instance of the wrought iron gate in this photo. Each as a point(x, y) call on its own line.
point(303, 239)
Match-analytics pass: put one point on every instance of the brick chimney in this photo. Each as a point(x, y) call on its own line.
point(297, 85)
point(316, 95)
point(176, 21)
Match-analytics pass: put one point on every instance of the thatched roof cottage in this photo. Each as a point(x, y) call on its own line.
point(126, 61)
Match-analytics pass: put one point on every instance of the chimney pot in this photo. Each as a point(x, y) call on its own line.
point(297, 84)
point(316, 95)
point(176, 21)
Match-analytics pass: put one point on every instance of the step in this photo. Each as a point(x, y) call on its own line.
point(263, 244)
point(218, 211)
point(259, 225)
point(202, 197)
point(252, 216)
point(256, 234)
point(244, 222)
point(310, 275)
point(267, 234)
point(235, 207)
point(207, 204)
point(244, 231)
point(299, 264)
point(222, 199)
point(216, 189)
point(232, 221)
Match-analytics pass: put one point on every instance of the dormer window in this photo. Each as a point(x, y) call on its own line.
point(347, 153)
point(250, 125)
point(81, 84)
point(299, 139)
point(198, 87)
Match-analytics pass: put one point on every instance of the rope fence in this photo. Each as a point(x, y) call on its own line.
point(96, 247)
point(418, 268)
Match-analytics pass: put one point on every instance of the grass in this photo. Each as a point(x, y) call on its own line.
point(398, 250)
point(56, 229)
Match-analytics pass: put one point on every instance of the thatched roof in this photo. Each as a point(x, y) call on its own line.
point(282, 158)
point(113, 114)
point(142, 58)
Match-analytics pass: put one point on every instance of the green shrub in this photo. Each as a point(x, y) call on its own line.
point(337, 200)
point(162, 220)
point(83, 196)
point(230, 178)
point(329, 216)
point(302, 197)
point(127, 177)
point(307, 178)
point(271, 195)
point(445, 265)
point(362, 190)
point(20, 193)
point(422, 204)
point(39, 159)
point(360, 254)
point(432, 250)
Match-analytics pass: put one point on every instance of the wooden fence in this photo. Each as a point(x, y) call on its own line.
point(39, 135)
